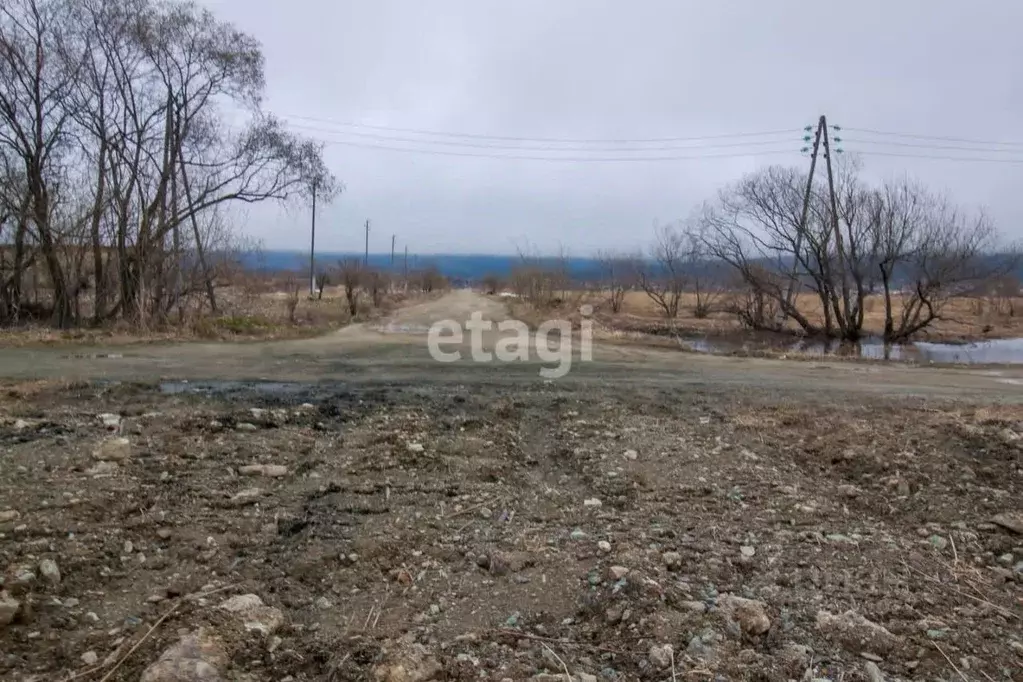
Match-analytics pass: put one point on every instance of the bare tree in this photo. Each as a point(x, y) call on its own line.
point(916, 248)
point(322, 281)
point(115, 155)
point(377, 283)
point(350, 274)
point(662, 277)
point(491, 284)
point(618, 276)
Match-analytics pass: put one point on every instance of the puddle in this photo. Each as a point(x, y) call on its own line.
point(218, 387)
point(995, 351)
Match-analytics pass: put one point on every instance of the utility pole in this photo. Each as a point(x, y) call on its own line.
point(405, 277)
point(834, 217)
point(365, 258)
point(392, 250)
point(312, 249)
point(806, 211)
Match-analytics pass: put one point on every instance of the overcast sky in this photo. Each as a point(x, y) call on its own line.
point(602, 70)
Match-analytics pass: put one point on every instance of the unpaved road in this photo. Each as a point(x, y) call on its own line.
point(395, 351)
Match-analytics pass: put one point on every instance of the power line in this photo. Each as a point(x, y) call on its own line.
point(439, 152)
point(460, 143)
point(932, 137)
point(942, 158)
point(935, 146)
point(567, 140)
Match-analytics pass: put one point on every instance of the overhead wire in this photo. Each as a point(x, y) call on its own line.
point(551, 149)
point(566, 140)
point(478, 145)
point(939, 138)
point(444, 152)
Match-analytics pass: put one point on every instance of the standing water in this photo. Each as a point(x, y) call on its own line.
point(995, 351)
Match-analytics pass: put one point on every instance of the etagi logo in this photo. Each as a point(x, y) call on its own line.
point(514, 342)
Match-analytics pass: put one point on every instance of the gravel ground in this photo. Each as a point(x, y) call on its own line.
point(506, 531)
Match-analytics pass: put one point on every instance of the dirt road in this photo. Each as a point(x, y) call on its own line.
point(395, 350)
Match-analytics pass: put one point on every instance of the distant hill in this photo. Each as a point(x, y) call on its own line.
point(452, 266)
point(457, 267)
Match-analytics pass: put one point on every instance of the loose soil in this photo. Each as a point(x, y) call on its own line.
point(472, 522)
point(457, 519)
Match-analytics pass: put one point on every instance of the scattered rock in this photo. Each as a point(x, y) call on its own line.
point(747, 551)
point(9, 515)
point(693, 606)
point(592, 502)
point(873, 673)
point(246, 497)
point(9, 607)
point(412, 664)
point(604, 546)
point(698, 649)
point(503, 563)
point(849, 491)
point(795, 658)
point(90, 658)
point(1010, 521)
point(751, 615)
point(111, 422)
point(617, 572)
point(255, 615)
point(102, 469)
point(324, 604)
point(19, 580)
point(113, 450)
point(415, 447)
point(939, 542)
point(855, 632)
point(49, 570)
point(661, 656)
point(672, 559)
point(196, 657)
point(577, 534)
point(840, 539)
point(268, 470)
point(631, 455)
point(246, 427)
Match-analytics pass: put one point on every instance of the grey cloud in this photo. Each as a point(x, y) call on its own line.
point(581, 68)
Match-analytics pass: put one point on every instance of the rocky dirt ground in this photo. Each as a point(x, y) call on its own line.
point(506, 532)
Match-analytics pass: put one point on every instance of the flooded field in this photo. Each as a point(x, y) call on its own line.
point(995, 351)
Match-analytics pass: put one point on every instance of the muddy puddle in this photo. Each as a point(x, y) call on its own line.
point(995, 351)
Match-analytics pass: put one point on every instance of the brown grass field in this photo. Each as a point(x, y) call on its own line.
point(243, 314)
point(965, 319)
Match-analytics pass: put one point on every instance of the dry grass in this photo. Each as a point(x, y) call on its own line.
point(967, 318)
point(245, 313)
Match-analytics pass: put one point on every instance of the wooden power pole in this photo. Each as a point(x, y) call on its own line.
point(365, 257)
point(802, 221)
point(312, 249)
point(839, 245)
point(392, 250)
